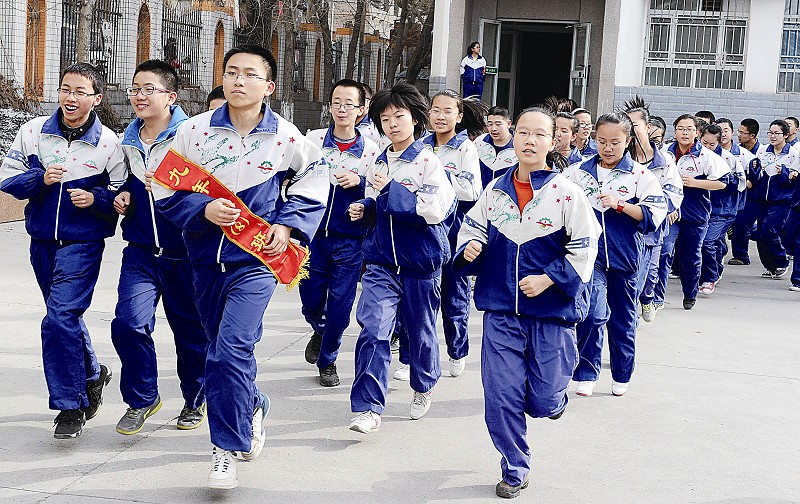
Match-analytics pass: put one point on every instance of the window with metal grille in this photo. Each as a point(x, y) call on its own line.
point(696, 43)
point(105, 41)
point(180, 38)
point(789, 73)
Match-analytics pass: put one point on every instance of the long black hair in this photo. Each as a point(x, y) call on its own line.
point(403, 96)
point(474, 113)
point(469, 48)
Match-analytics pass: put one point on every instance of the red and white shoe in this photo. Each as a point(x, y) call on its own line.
point(707, 288)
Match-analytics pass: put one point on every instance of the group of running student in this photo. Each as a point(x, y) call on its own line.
point(563, 233)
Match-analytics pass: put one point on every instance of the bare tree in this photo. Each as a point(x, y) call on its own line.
point(398, 41)
point(356, 37)
point(421, 56)
point(84, 29)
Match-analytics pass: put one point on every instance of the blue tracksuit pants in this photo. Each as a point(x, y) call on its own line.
point(647, 276)
point(526, 365)
point(67, 274)
point(231, 306)
point(793, 242)
point(744, 230)
point(144, 279)
point(771, 222)
point(612, 304)
point(713, 250)
point(473, 89)
point(665, 262)
point(329, 292)
point(456, 290)
point(688, 240)
point(384, 293)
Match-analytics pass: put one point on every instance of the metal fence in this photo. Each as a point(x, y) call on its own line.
point(181, 28)
point(105, 38)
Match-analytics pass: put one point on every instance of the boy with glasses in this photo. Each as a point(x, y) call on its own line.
point(68, 167)
point(583, 141)
point(744, 225)
point(330, 291)
point(154, 264)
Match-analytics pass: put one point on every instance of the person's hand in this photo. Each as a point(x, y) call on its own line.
point(533, 285)
point(53, 174)
point(472, 250)
point(672, 217)
point(688, 181)
point(778, 169)
point(749, 185)
point(380, 180)
point(222, 212)
point(121, 202)
point(608, 200)
point(81, 198)
point(347, 179)
point(277, 239)
point(792, 175)
point(356, 211)
point(148, 180)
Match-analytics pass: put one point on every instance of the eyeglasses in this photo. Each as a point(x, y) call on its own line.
point(346, 106)
point(247, 77)
point(585, 125)
point(77, 94)
point(774, 133)
point(681, 129)
point(539, 136)
point(144, 91)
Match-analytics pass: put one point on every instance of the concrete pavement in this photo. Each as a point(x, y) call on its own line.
point(712, 415)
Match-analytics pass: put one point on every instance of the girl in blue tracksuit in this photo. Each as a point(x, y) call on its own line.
point(566, 133)
point(408, 199)
point(629, 202)
point(473, 71)
point(702, 171)
point(329, 292)
point(496, 148)
point(531, 241)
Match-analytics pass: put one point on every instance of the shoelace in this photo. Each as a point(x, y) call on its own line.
point(132, 413)
point(420, 399)
point(221, 460)
point(366, 415)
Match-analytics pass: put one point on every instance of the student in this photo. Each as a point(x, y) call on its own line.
point(531, 240)
point(744, 225)
point(706, 116)
point(220, 182)
point(215, 99)
point(408, 200)
point(702, 171)
point(645, 152)
point(629, 202)
point(583, 141)
point(329, 292)
point(566, 132)
point(724, 205)
point(452, 120)
point(496, 149)
point(773, 194)
point(473, 71)
point(659, 128)
point(154, 263)
point(793, 123)
point(364, 124)
point(68, 166)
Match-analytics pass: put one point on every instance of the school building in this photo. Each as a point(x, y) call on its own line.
point(737, 58)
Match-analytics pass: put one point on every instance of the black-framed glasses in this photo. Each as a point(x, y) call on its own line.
point(247, 77)
point(77, 94)
point(347, 106)
point(144, 91)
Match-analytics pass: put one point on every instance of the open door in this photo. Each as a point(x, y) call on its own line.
point(489, 38)
point(579, 75)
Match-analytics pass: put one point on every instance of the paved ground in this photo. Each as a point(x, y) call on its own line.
point(712, 416)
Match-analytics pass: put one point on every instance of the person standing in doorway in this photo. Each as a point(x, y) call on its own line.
point(473, 71)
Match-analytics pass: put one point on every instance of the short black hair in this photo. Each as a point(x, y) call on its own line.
point(367, 90)
point(783, 125)
point(269, 60)
point(164, 71)
point(658, 122)
point(751, 125)
point(499, 111)
point(725, 120)
point(90, 72)
point(573, 121)
point(706, 115)
point(403, 96)
point(351, 84)
point(794, 120)
point(683, 117)
point(713, 129)
point(216, 94)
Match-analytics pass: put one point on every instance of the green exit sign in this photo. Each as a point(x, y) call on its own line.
point(491, 70)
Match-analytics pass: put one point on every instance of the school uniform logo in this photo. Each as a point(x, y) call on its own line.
point(545, 223)
point(265, 167)
point(623, 190)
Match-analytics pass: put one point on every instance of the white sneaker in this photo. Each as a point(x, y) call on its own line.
point(403, 373)
point(618, 388)
point(223, 470)
point(365, 422)
point(648, 312)
point(584, 388)
point(420, 404)
point(795, 288)
point(259, 431)
point(457, 366)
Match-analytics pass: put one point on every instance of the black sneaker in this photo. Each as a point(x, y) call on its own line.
point(94, 390)
point(69, 424)
point(133, 419)
point(778, 273)
point(328, 376)
point(191, 418)
point(688, 303)
point(558, 415)
point(507, 491)
point(312, 349)
point(735, 261)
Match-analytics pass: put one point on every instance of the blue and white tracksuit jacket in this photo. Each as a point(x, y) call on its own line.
point(589, 150)
point(233, 288)
point(330, 291)
point(494, 162)
point(367, 128)
point(405, 250)
point(529, 349)
point(154, 265)
point(743, 227)
point(614, 292)
point(66, 241)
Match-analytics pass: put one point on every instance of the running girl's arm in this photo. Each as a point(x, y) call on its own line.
point(473, 229)
point(22, 174)
point(467, 181)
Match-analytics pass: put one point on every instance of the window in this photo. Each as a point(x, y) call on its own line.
point(181, 27)
point(789, 73)
point(696, 43)
point(104, 37)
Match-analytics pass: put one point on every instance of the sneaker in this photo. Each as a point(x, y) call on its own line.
point(738, 262)
point(618, 388)
point(767, 274)
point(688, 303)
point(259, 432)
point(658, 306)
point(328, 376)
point(778, 273)
point(795, 288)
point(223, 470)
point(191, 418)
point(133, 419)
point(365, 422)
point(403, 373)
point(312, 348)
point(707, 288)
point(649, 312)
point(584, 388)
point(395, 343)
point(420, 404)
point(457, 366)
point(559, 414)
point(69, 424)
point(94, 391)
point(507, 491)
